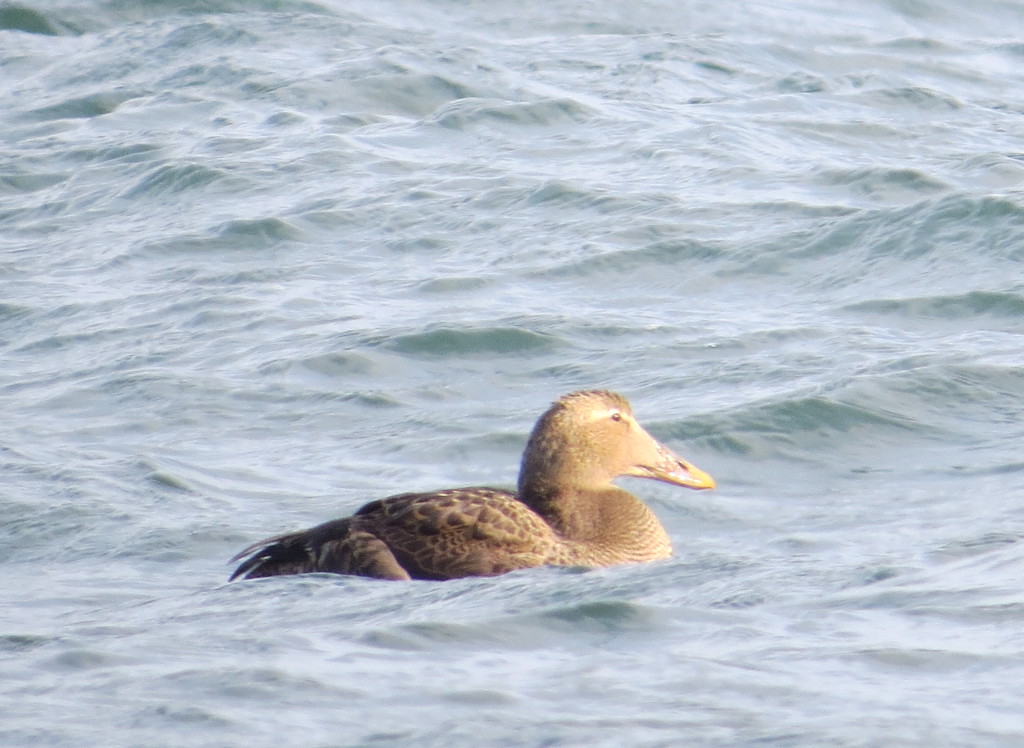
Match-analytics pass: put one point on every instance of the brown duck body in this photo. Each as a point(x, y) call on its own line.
point(565, 513)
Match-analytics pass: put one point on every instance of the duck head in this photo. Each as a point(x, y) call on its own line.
point(587, 439)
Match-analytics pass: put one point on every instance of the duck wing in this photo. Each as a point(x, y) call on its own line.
point(458, 532)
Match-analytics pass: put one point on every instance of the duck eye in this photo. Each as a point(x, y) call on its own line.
point(616, 416)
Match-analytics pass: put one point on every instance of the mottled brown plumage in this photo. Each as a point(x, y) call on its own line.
point(566, 511)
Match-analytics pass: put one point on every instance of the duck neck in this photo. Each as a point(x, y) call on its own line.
point(610, 522)
point(566, 508)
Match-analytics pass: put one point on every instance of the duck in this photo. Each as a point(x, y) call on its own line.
point(565, 511)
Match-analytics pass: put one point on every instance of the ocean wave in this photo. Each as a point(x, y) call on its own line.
point(965, 306)
point(448, 342)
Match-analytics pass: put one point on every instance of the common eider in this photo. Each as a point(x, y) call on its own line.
point(566, 511)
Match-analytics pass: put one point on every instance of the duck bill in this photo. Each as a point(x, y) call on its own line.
point(671, 468)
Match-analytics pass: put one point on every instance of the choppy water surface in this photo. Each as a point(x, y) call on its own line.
point(263, 262)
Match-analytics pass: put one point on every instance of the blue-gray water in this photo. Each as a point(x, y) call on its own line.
point(262, 262)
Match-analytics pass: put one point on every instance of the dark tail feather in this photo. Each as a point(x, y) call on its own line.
point(289, 553)
point(332, 547)
point(281, 554)
point(245, 568)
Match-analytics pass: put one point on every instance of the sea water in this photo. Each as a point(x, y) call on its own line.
point(263, 262)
